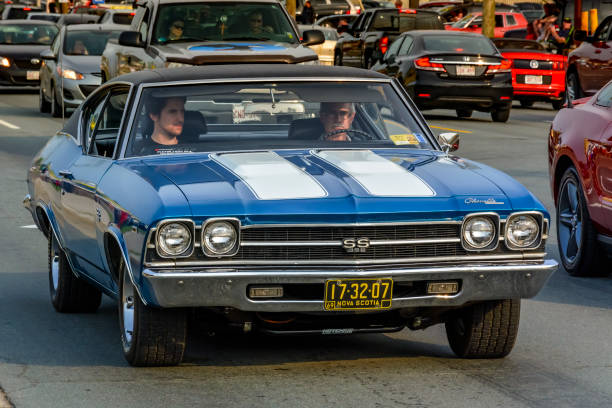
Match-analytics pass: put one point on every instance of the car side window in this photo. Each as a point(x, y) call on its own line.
point(510, 20)
point(394, 47)
point(55, 47)
point(605, 97)
point(106, 127)
point(89, 118)
point(499, 20)
point(405, 47)
point(144, 26)
point(602, 31)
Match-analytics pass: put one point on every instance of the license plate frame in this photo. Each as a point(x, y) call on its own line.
point(32, 75)
point(465, 70)
point(358, 294)
point(533, 79)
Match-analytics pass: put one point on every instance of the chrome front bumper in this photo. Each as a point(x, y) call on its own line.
point(228, 288)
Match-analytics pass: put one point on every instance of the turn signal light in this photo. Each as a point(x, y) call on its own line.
point(384, 44)
point(4, 62)
point(425, 64)
point(442, 288)
point(266, 292)
point(505, 66)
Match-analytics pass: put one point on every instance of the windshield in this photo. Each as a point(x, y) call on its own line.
point(223, 22)
point(87, 42)
point(464, 21)
point(459, 43)
point(27, 34)
point(281, 115)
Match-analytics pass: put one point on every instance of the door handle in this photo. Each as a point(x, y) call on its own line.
point(66, 174)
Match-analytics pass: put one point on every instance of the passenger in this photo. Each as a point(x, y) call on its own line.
point(79, 48)
point(168, 118)
point(42, 36)
point(175, 31)
point(256, 26)
point(335, 117)
point(562, 40)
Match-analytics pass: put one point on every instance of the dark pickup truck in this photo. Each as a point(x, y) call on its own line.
point(173, 33)
point(374, 30)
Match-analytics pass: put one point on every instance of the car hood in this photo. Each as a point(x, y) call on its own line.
point(21, 50)
point(86, 64)
point(335, 185)
point(214, 52)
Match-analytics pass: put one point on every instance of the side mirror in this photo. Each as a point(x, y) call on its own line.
point(389, 58)
point(313, 37)
point(449, 141)
point(48, 55)
point(130, 39)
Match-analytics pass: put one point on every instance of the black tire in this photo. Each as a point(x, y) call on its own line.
point(500, 115)
point(56, 108)
point(526, 104)
point(156, 336)
point(69, 294)
point(337, 59)
point(43, 105)
point(464, 113)
point(484, 330)
point(576, 236)
point(572, 85)
point(558, 105)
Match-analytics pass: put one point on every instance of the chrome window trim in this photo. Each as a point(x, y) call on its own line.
point(234, 221)
point(141, 87)
point(541, 223)
point(175, 220)
point(494, 243)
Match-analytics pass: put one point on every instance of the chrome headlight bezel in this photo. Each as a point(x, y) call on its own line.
point(188, 224)
point(493, 243)
point(538, 217)
point(206, 249)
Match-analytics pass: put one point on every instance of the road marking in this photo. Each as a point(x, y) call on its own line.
point(8, 125)
point(452, 130)
point(29, 226)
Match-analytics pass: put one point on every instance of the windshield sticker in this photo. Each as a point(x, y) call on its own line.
point(237, 47)
point(405, 139)
point(420, 137)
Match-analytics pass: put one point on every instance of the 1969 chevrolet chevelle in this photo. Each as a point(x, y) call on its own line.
point(280, 199)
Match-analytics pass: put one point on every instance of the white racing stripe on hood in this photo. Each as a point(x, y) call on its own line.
point(377, 175)
point(271, 177)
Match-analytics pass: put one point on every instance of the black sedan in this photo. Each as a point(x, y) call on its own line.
point(21, 42)
point(440, 69)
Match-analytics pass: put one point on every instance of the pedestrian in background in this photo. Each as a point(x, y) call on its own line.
point(307, 13)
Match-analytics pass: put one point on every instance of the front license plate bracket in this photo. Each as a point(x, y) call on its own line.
point(358, 294)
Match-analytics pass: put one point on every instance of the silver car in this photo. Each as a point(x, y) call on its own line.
point(71, 68)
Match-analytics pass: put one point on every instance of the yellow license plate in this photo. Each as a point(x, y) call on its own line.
point(358, 294)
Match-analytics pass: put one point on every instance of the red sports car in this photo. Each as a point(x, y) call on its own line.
point(580, 165)
point(537, 74)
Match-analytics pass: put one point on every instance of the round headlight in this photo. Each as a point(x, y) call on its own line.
point(219, 237)
point(522, 231)
point(174, 239)
point(479, 232)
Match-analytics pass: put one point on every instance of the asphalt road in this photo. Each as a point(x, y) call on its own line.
point(563, 356)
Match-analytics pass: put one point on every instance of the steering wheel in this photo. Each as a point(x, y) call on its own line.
point(359, 135)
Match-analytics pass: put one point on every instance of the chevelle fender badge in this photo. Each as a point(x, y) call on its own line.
point(488, 201)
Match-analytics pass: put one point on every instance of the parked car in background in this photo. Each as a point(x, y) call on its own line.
point(336, 20)
point(71, 69)
point(368, 4)
point(17, 11)
point(398, 233)
point(322, 8)
point(590, 65)
point(325, 51)
point(537, 74)
point(21, 42)
point(212, 33)
point(371, 34)
point(53, 17)
point(504, 21)
point(580, 164)
point(69, 19)
point(451, 70)
point(114, 16)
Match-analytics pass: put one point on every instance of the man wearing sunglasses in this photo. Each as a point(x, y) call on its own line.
point(335, 117)
point(176, 30)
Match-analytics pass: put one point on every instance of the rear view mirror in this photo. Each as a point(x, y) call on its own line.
point(449, 141)
point(313, 37)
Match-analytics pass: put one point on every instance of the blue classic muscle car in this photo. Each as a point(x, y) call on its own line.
point(280, 199)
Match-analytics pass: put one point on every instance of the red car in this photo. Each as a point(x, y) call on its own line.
point(537, 74)
point(504, 21)
point(580, 166)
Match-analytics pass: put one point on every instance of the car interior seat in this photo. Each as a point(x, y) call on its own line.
point(193, 127)
point(306, 129)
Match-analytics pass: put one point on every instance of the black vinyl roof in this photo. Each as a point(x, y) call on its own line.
point(246, 71)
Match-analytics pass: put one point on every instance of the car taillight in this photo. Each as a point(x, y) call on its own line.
point(408, 11)
point(27, 9)
point(384, 44)
point(504, 66)
point(425, 64)
point(558, 65)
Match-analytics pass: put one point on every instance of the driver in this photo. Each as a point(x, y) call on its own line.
point(167, 116)
point(336, 116)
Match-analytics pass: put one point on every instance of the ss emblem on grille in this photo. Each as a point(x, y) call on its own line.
point(355, 244)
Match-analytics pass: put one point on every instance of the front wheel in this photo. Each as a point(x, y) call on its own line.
point(484, 330)
point(43, 105)
point(573, 87)
point(558, 105)
point(56, 108)
point(150, 336)
point(576, 235)
point(69, 294)
point(337, 59)
point(500, 115)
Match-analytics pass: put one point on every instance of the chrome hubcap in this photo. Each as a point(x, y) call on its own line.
point(127, 309)
point(570, 221)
